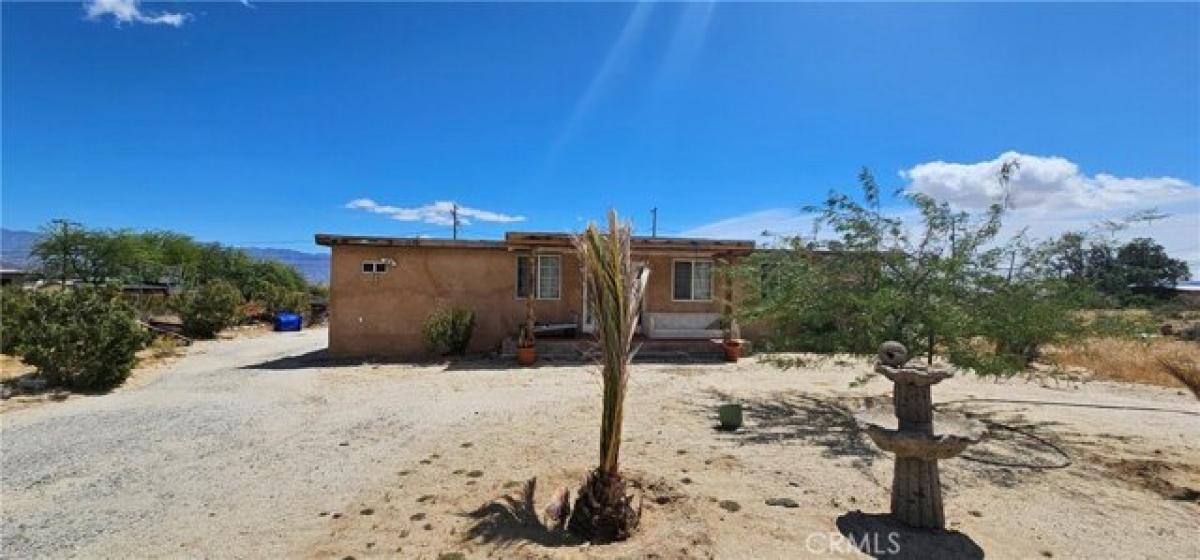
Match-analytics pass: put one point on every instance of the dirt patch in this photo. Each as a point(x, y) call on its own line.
point(246, 435)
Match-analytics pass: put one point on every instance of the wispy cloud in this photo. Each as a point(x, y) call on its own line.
point(129, 11)
point(1049, 195)
point(438, 213)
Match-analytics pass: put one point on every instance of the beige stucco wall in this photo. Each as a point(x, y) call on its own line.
point(660, 292)
point(382, 314)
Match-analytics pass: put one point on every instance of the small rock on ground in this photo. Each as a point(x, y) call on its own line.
point(782, 502)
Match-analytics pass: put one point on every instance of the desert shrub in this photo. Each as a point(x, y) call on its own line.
point(164, 346)
point(986, 361)
point(1118, 323)
point(1190, 332)
point(282, 299)
point(13, 302)
point(210, 308)
point(447, 331)
point(1016, 320)
point(80, 339)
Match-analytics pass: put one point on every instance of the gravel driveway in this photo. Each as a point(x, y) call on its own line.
point(230, 452)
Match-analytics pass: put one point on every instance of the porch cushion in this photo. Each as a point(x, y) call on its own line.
point(683, 325)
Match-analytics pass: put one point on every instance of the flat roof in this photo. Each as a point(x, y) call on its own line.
point(329, 240)
point(515, 239)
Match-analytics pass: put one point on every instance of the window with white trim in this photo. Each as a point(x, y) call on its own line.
point(374, 267)
point(542, 274)
point(692, 280)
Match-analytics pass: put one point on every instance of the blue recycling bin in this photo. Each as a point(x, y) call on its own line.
point(288, 322)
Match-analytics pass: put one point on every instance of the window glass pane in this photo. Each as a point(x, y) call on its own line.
point(524, 277)
point(368, 266)
point(548, 277)
point(683, 280)
point(702, 278)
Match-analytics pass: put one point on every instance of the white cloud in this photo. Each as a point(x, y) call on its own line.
point(128, 11)
point(1046, 183)
point(1049, 196)
point(438, 213)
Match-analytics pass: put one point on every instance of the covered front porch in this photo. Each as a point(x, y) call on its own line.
point(688, 293)
point(582, 348)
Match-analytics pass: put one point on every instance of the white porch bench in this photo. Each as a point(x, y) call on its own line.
point(682, 325)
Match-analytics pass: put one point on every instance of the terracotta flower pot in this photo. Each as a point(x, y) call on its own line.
point(733, 350)
point(526, 355)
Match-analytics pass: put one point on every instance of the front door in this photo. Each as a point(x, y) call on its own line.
point(589, 322)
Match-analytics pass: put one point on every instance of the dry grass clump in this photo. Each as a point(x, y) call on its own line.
point(11, 367)
point(1158, 361)
point(1183, 368)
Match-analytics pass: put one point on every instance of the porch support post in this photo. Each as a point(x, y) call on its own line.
point(727, 277)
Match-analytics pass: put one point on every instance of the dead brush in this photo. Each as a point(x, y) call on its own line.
point(1183, 368)
point(1136, 360)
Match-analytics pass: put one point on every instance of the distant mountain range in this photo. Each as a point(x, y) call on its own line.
point(16, 245)
point(314, 266)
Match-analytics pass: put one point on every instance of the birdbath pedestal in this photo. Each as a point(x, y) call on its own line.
point(910, 434)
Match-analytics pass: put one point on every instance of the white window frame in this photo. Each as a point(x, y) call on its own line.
point(537, 276)
point(712, 272)
point(377, 266)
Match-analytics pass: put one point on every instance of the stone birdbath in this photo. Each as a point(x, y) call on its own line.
point(917, 436)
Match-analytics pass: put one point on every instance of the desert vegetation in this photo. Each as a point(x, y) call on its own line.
point(447, 331)
point(82, 332)
point(945, 285)
point(82, 340)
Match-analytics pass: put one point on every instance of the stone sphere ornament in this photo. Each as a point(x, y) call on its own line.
point(892, 353)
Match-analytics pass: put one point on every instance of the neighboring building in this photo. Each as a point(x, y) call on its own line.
point(11, 276)
point(1188, 292)
point(381, 289)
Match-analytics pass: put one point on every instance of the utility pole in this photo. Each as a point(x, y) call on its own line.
point(654, 222)
point(454, 216)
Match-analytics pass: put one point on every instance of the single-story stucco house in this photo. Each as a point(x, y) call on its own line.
point(381, 289)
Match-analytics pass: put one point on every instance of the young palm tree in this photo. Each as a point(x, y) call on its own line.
point(603, 512)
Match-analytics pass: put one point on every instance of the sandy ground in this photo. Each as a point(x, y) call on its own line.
point(259, 447)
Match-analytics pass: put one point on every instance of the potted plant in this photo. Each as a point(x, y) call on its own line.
point(732, 341)
point(526, 343)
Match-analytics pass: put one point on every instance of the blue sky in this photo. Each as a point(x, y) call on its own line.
point(262, 124)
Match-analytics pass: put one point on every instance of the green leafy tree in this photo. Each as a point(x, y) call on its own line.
point(1111, 269)
point(209, 309)
point(1146, 263)
point(84, 340)
point(940, 283)
point(879, 279)
point(60, 250)
point(70, 252)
